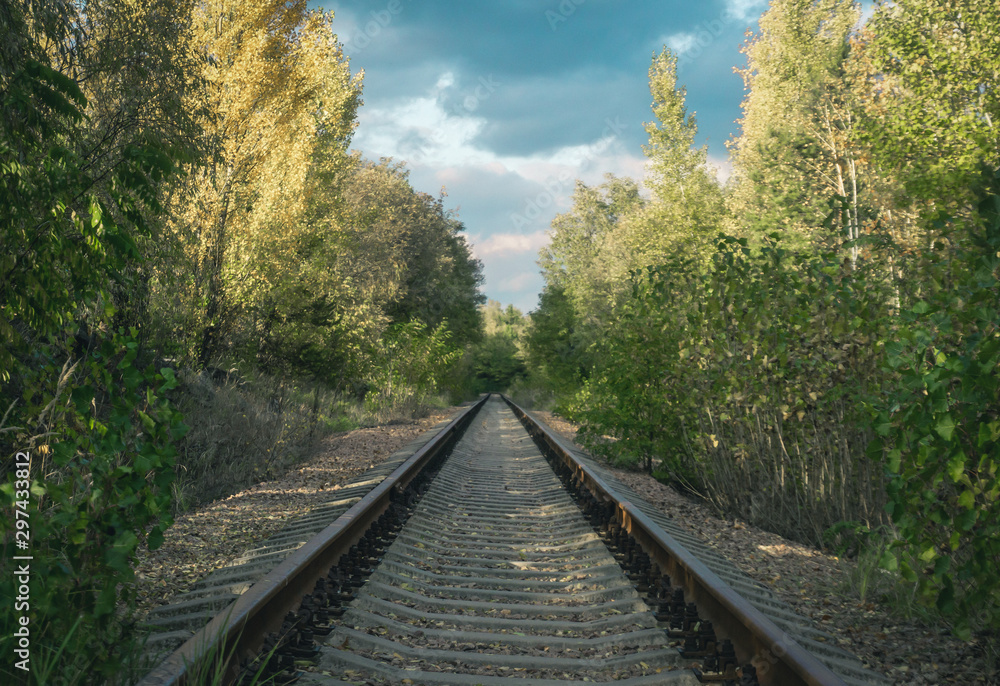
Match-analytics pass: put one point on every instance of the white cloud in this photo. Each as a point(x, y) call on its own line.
point(745, 10)
point(420, 131)
point(723, 168)
point(692, 43)
point(680, 43)
point(519, 282)
point(509, 199)
point(447, 80)
point(509, 244)
point(431, 139)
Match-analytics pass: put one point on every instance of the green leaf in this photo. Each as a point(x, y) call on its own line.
point(988, 432)
point(895, 456)
point(106, 601)
point(956, 467)
point(169, 377)
point(155, 538)
point(945, 427)
point(946, 598)
point(883, 426)
point(889, 561)
point(966, 520)
point(82, 397)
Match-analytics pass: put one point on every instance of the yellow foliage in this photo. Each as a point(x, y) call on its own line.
point(275, 82)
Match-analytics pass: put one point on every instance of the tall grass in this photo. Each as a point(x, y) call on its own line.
point(248, 427)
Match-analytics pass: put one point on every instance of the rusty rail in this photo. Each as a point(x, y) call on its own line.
point(240, 629)
point(776, 655)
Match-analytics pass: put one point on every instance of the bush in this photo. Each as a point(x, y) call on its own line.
point(96, 486)
point(408, 365)
point(939, 430)
point(746, 381)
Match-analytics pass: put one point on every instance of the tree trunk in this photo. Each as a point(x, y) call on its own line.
point(213, 272)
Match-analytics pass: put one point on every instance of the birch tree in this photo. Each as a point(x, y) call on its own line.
point(932, 102)
point(793, 154)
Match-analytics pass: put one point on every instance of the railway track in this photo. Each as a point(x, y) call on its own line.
point(497, 552)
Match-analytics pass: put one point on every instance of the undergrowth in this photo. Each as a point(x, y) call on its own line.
point(247, 427)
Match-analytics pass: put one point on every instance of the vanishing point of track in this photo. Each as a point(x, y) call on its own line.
point(496, 552)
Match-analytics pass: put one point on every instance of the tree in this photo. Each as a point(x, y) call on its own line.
point(441, 278)
point(792, 155)
point(583, 257)
point(84, 157)
point(687, 211)
point(497, 358)
point(932, 101)
point(276, 78)
point(94, 435)
point(556, 356)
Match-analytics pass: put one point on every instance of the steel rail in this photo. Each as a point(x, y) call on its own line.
point(779, 659)
point(240, 629)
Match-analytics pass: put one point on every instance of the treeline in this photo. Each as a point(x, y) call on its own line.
point(177, 194)
point(814, 346)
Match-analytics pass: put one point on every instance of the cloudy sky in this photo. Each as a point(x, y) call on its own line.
point(505, 103)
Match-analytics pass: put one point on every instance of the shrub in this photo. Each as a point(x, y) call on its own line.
point(746, 381)
point(408, 365)
point(100, 440)
point(939, 430)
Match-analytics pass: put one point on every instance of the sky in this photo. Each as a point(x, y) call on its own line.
point(504, 104)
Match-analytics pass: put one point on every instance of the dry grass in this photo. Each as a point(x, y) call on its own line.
point(248, 429)
point(796, 476)
point(212, 535)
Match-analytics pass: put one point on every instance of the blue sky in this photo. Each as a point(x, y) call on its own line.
point(505, 104)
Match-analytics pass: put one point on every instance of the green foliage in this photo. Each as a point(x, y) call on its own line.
point(792, 152)
point(933, 116)
point(939, 429)
point(99, 488)
point(555, 354)
point(66, 244)
point(102, 105)
point(750, 369)
point(746, 380)
point(688, 198)
point(496, 360)
point(587, 256)
point(411, 360)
